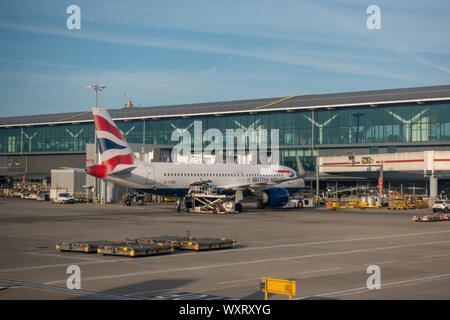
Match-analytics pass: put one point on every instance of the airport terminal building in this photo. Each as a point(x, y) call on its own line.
point(341, 124)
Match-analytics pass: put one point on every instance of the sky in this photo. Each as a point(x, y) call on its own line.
point(158, 53)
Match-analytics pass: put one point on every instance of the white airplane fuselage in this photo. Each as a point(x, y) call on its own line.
point(169, 178)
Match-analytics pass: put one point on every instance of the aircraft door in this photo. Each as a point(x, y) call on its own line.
point(150, 181)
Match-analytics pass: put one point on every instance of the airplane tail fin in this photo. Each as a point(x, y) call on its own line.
point(115, 153)
point(300, 169)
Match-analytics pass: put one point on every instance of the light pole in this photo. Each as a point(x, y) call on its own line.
point(97, 88)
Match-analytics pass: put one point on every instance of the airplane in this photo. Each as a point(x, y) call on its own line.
point(118, 164)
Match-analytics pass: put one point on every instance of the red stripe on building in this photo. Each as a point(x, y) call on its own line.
point(401, 161)
point(441, 159)
point(385, 161)
point(101, 124)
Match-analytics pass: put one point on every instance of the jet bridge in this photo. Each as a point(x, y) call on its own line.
point(417, 165)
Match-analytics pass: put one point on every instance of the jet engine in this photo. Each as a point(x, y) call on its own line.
point(273, 197)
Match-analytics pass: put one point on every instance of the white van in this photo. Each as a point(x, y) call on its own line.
point(63, 197)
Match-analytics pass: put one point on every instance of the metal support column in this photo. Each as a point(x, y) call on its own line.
point(433, 187)
point(317, 181)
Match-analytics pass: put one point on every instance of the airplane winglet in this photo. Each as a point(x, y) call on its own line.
point(300, 169)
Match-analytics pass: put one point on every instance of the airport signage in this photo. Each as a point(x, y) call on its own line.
point(366, 160)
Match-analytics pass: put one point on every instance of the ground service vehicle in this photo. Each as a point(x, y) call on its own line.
point(441, 205)
point(63, 197)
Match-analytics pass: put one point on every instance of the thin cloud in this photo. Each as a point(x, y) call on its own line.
point(267, 54)
point(44, 64)
point(210, 71)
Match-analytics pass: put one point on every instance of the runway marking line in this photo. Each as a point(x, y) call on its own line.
point(316, 271)
point(259, 278)
point(383, 262)
point(236, 281)
point(33, 285)
point(333, 293)
point(82, 263)
point(435, 256)
point(153, 291)
point(343, 240)
point(63, 256)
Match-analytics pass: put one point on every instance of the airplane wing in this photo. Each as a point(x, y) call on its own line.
point(254, 186)
point(119, 171)
point(71, 168)
point(120, 168)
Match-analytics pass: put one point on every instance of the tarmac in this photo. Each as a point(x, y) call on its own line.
point(326, 252)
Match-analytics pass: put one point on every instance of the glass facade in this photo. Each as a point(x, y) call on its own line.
point(47, 138)
point(356, 125)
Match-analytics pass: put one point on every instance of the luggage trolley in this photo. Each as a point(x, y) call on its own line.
point(203, 198)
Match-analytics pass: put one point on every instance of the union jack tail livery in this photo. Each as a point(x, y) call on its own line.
point(115, 154)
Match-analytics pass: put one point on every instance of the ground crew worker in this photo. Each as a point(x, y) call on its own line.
point(178, 205)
